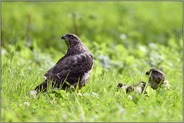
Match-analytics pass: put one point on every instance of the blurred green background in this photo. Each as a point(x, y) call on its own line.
point(42, 24)
point(101, 22)
point(116, 31)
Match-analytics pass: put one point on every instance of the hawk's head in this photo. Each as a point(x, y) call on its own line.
point(71, 39)
point(156, 78)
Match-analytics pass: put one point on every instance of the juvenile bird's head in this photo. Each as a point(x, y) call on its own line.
point(156, 78)
point(71, 39)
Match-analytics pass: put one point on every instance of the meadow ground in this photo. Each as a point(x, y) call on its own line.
point(126, 40)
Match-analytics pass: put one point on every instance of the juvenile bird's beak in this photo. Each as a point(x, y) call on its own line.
point(63, 37)
point(148, 72)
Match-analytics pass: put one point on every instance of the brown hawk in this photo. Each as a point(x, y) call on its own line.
point(71, 70)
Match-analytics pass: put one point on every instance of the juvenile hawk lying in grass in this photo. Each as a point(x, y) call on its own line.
point(71, 70)
point(156, 79)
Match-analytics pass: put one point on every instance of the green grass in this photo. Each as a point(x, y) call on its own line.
point(151, 39)
point(101, 100)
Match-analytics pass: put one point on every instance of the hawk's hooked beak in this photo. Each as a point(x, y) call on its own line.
point(64, 38)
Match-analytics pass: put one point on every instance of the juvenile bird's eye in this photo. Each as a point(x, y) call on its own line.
point(71, 36)
point(155, 72)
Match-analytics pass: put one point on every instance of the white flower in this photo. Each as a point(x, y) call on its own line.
point(33, 93)
point(130, 97)
point(26, 103)
point(142, 48)
point(152, 45)
point(121, 110)
point(94, 94)
point(79, 94)
point(138, 90)
point(123, 36)
point(67, 94)
point(166, 84)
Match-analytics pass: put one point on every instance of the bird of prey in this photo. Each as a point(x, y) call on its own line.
point(156, 78)
point(71, 70)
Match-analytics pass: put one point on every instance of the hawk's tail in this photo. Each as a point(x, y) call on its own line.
point(42, 87)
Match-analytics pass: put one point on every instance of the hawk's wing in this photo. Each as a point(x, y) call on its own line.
point(71, 67)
